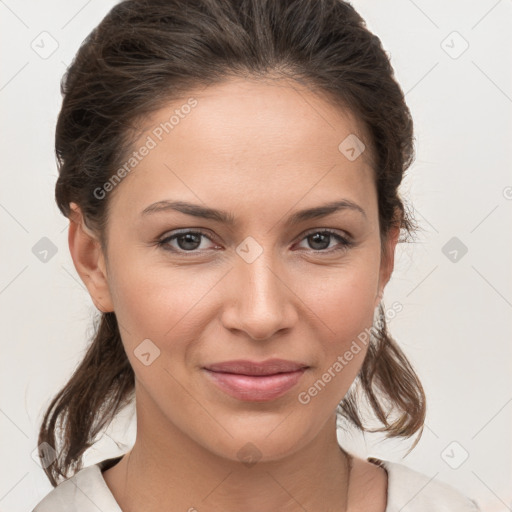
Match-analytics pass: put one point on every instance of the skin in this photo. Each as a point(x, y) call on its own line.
point(260, 150)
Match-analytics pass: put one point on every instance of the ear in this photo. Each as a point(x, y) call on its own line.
point(387, 263)
point(89, 260)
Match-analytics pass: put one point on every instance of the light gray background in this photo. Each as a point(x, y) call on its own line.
point(455, 325)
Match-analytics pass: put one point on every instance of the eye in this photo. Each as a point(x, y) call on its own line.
point(187, 241)
point(320, 240)
point(190, 241)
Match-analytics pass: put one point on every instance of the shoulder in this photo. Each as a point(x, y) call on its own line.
point(411, 491)
point(85, 491)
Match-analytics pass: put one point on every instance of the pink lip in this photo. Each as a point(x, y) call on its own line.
point(253, 381)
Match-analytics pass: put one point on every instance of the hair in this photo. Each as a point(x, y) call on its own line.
point(144, 54)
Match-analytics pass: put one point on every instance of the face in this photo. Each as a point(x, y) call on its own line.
point(192, 291)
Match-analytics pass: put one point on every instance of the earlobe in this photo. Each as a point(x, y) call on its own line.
point(89, 260)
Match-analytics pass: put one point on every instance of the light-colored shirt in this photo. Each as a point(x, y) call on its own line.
point(408, 491)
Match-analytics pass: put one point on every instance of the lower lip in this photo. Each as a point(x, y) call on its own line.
point(256, 388)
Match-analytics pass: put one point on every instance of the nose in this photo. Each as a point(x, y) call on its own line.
point(259, 300)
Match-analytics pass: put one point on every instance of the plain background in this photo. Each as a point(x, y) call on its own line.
point(452, 60)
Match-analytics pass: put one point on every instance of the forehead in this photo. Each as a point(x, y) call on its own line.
point(269, 140)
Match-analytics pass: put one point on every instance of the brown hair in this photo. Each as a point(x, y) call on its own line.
point(144, 54)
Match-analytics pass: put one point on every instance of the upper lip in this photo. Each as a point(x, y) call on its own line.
point(245, 367)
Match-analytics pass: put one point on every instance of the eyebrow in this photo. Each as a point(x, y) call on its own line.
point(224, 217)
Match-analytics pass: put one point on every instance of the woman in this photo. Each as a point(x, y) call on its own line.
point(230, 170)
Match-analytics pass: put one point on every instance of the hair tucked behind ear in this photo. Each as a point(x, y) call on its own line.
point(101, 386)
point(146, 53)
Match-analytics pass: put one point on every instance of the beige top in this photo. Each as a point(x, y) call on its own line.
point(408, 491)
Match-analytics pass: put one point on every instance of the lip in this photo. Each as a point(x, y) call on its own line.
point(256, 381)
point(246, 367)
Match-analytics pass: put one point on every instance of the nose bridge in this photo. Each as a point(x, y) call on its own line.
point(259, 278)
point(262, 301)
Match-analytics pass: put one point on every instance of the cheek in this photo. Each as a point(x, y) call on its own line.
point(345, 299)
point(140, 304)
point(165, 305)
point(345, 305)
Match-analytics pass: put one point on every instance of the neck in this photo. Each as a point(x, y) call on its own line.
point(174, 472)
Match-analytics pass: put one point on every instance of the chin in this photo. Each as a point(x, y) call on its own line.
point(258, 443)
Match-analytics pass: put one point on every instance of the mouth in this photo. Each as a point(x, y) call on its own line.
point(255, 368)
point(256, 381)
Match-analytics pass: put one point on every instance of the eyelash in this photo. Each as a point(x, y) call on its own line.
point(344, 242)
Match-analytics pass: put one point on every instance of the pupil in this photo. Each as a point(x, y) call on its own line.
point(187, 239)
point(315, 238)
